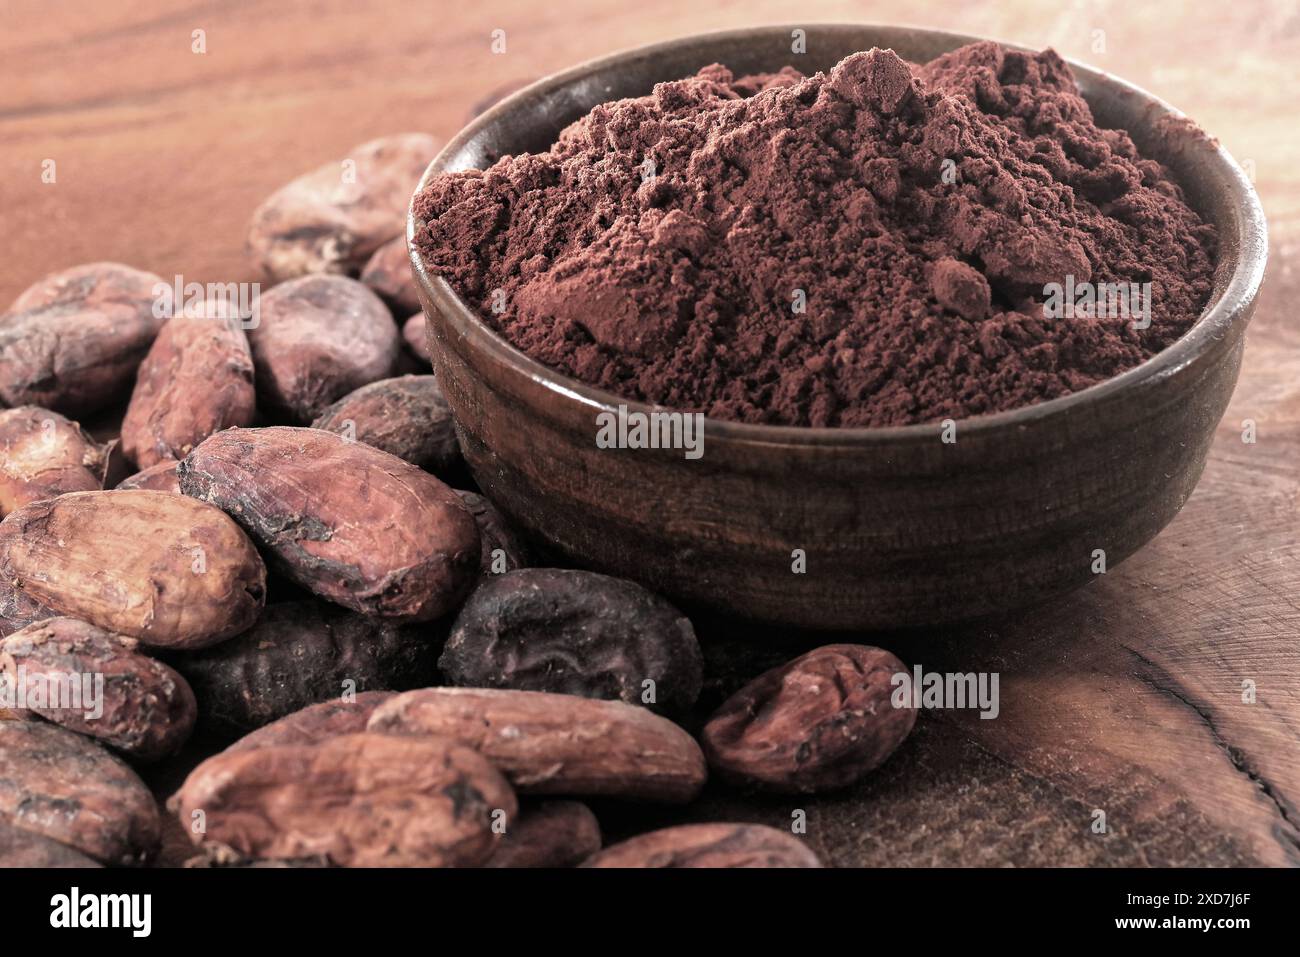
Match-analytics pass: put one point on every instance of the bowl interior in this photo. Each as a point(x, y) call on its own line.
point(531, 119)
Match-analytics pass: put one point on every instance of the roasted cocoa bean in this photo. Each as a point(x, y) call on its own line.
point(548, 834)
point(414, 332)
point(19, 848)
point(819, 722)
point(406, 416)
point(300, 653)
point(166, 569)
point(388, 273)
point(42, 455)
point(158, 478)
point(326, 222)
point(319, 338)
point(196, 380)
point(360, 800)
point(502, 547)
point(709, 845)
point(352, 524)
point(577, 633)
point(556, 744)
point(71, 343)
point(66, 787)
point(136, 704)
point(317, 722)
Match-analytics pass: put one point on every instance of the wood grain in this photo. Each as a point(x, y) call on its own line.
point(1124, 697)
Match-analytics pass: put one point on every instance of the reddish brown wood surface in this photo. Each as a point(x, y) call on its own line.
point(1125, 697)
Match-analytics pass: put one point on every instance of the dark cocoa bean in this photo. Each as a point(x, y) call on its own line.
point(72, 342)
point(549, 834)
point(577, 633)
point(709, 845)
point(819, 722)
point(66, 787)
point(165, 569)
point(19, 848)
point(332, 219)
point(319, 338)
point(406, 417)
point(352, 524)
point(502, 546)
point(556, 744)
point(388, 273)
point(298, 654)
point(134, 703)
point(42, 455)
point(360, 800)
point(317, 722)
point(196, 380)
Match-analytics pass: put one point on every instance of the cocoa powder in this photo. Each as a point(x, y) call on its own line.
point(864, 247)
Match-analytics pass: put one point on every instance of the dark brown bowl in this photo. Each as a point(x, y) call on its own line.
point(898, 528)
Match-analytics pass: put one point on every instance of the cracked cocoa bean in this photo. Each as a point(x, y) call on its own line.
point(577, 633)
point(72, 342)
point(348, 522)
point(556, 744)
point(319, 338)
point(317, 722)
point(406, 417)
point(300, 653)
point(334, 218)
point(709, 845)
point(17, 608)
point(360, 800)
point(143, 708)
point(165, 569)
point(42, 455)
point(548, 834)
point(502, 547)
point(388, 273)
point(817, 723)
point(196, 380)
point(66, 787)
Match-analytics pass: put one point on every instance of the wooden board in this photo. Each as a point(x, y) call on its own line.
point(1125, 697)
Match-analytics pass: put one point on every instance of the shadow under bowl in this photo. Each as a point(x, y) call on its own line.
point(897, 528)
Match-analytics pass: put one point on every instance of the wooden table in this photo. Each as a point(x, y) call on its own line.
point(1125, 697)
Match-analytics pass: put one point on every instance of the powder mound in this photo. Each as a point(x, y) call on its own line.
point(871, 246)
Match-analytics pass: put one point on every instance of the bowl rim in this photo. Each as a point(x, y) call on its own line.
point(1247, 263)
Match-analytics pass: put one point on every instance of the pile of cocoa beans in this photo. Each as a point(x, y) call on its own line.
point(293, 568)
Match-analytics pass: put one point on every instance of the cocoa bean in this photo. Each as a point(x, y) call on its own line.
point(359, 800)
point(19, 848)
point(577, 633)
point(352, 524)
point(67, 788)
point(819, 722)
point(317, 722)
point(300, 653)
point(334, 218)
point(144, 708)
point(502, 546)
point(166, 569)
point(709, 845)
point(414, 332)
point(556, 744)
point(159, 478)
point(406, 417)
point(71, 343)
point(319, 338)
point(548, 834)
point(17, 608)
point(196, 380)
point(388, 273)
point(42, 455)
